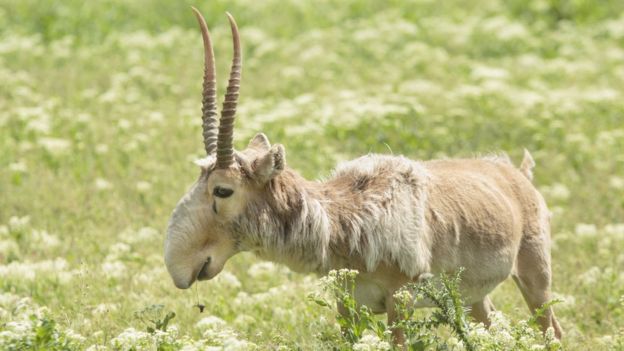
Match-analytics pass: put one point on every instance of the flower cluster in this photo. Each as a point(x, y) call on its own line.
point(30, 327)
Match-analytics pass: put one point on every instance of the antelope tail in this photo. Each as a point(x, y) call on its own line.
point(526, 167)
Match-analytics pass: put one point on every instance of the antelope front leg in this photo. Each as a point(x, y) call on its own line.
point(398, 337)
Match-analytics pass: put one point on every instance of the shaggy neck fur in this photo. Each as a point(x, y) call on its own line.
point(371, 210)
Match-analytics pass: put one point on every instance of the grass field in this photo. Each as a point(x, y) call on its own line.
point(100, 123)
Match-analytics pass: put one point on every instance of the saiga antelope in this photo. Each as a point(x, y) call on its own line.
point(389, 217)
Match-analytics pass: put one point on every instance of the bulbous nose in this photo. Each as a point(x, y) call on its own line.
point(181, 276)
point(182, 284)
point(178, 261)
point(185, 255)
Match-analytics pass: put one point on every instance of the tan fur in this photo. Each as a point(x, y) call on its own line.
point(391, 218)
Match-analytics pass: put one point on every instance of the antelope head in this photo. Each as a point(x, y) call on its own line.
point(201, 236)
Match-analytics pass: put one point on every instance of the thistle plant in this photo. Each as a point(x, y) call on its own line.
point(443, 293)
point(154, 318)
point(447, 327)
point(356, 319)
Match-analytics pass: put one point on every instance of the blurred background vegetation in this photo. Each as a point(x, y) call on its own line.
point(99, 123)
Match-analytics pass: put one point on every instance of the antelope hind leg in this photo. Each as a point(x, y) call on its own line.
point(533, 278)
point(481, 310)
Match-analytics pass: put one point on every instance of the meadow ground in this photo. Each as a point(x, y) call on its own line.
point(100, 123)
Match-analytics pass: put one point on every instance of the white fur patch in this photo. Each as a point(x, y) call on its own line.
point(398, 233)
point(205, 162)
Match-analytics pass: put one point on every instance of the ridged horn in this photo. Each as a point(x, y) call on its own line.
point(209, 91)
point(225, 151)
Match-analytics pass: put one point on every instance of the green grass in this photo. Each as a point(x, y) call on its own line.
point(99, 123)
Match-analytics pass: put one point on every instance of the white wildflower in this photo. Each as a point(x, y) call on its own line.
point(601, 95)
point(55, 146)
point(117, 251)
point(101, 149)
point(244, 321)
point(557, 191)
point(478, 332)
point(9, 248)
point(580, 139)
point(499, 322)
point(216, 331)
point(149, 277)
point(124, 124)
point(567, 302)
point(485, 72)
point(28, 271)
point(616, 182)
point(156, 116)
point(228, 280)
point(584, 230)
point(17, 224)
point(131, 339)
point(505, 29)
point(8, 299)
point(166, 337)
point(232, 342)
point(18, 167)
point(73, 336)
point(210, 323)
point(19, 327)
point(403, 295)
point(420, 86)
point(44, 240)
point(292, 72)
point(146, 234)
point(104, 308)
point(605, 340)
point(262, 269)
point(84, 117)
point(242, 299)
point(347, 273)
point(114, 269)
point(615, 230)
point(455, 344)
point(615, 27)
point(550, 338)
point(130, 146)
point(591, 277)
point(17, 270)
point(143, 186)
point(102, 184)
point(66, 277)
point(371, 342)
point(270, 296)
point(140, 138)
point(38, 119)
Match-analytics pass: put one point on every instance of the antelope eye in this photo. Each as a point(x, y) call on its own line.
point(222, 192)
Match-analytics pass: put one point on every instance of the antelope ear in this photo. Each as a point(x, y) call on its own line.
point(271, 164)
point(259, 142)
